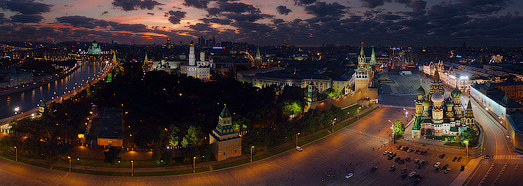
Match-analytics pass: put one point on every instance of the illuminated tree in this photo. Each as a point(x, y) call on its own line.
point(399, 129)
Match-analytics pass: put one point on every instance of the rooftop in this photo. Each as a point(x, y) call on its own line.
point(111, 124)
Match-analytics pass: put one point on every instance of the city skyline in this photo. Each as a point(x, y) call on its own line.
point(299, 22)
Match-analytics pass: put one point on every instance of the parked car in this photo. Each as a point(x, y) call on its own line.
point(402, 161)
point(392, 168)
point(349, 175)
point(411, 174)
point(405, 148)
point(407, 159)
point(298, 148)
point(436, 170)
point(403, 170)
point(416, 160)
point(447, 171)
point(403, 176)
point(423, 152)
point(444, 167)
point(442, 156)
point(417, 181)
point(459, 159)
point(417, 151)
point(487, 156)
point(386, 152)
point(397, 159)
point(373, 169)
point(399, 147)
point(455, 158)
point(437, 164)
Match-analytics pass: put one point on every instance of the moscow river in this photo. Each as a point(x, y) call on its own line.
point(29, 99)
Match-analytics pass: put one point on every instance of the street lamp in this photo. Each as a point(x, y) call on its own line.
point(16, 154)
point(333, 122)
point(467, 144)
point(252, 147)
point(132, 168)
point(17, 109)
point(297, 139)
point(70, 163)
point(194, 164)
point(393, 137)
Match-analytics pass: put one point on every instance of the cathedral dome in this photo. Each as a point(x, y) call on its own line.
point(421, 91)
point(449, 102)
point(437, 97)
point(425, 103)
point(456, 93)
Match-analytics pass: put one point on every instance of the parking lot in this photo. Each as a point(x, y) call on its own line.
point(383, 176)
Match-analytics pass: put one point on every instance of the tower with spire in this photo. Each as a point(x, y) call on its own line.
point(361, 83)
point(257, 58)
point(225, 141)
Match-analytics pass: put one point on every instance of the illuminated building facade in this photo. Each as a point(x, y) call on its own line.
point(437, 116)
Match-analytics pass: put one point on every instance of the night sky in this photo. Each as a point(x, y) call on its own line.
point(267, 22)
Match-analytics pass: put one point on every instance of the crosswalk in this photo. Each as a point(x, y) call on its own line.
point(507, 157)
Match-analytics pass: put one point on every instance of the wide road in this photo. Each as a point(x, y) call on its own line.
point(504, 160)
point(350, 149)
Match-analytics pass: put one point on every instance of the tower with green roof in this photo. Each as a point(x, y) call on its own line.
point(225, 141)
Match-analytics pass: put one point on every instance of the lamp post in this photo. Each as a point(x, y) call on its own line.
point(132, 168)
point(70, 163)
point(297, 139)
point(467, 144)
point(16, 154)
point(194, 164)
point(333, 122)
point(393, 137)
point(252, 147)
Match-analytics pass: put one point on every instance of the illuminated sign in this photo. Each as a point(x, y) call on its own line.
point(218, 48)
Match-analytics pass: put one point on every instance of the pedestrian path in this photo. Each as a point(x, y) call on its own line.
point(507, 157)
point(368, 135)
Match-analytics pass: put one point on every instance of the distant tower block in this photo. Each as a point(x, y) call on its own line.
point(169, 46)
point(225, 141)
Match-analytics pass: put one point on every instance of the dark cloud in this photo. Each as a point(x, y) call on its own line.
point(202, 27)
point(175, 16)
point(237, 7)
point(150, 13)
point(252, 17)
point(128, 5)
point(27, 30)
point(29, 18)
point(3, 19)
point(373, 3)
point(200, 4)
point(278, 21)
point(418, 6)
point(485, 2)
point(47, 30)
point(78, 21)
point(105, 12)
point(303, 2)
point(217, 20)
point(322, 9)
point(283, 10)
point(25, 6)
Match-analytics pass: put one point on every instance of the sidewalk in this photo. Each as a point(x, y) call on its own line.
point(189, 166)
point(464, 175)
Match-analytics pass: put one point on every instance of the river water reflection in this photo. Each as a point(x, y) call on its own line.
point(29, 99)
